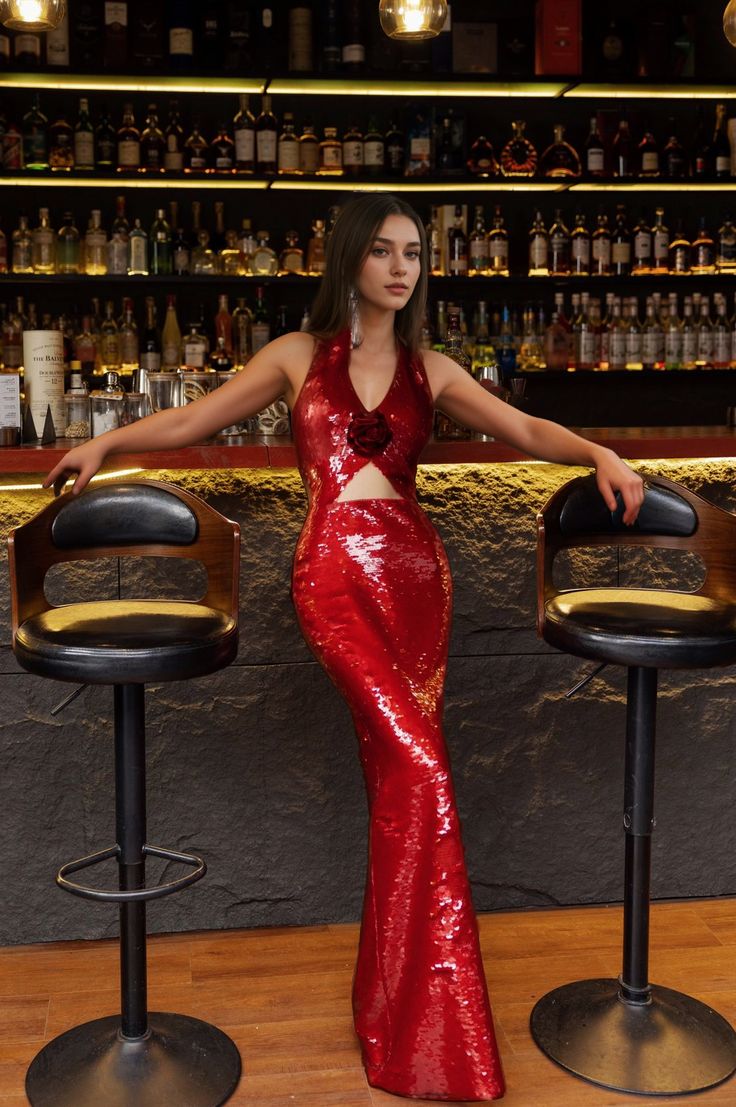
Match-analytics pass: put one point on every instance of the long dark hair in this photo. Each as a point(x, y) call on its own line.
point(356, 227)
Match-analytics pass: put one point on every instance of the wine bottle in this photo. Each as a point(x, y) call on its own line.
point(87, 35)
point(353, 37)
point(84, 138)
point(115, 49)
point(180, 27)
point(266, 138)
point(150, 355)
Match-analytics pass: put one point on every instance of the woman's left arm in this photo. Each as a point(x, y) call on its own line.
point(468, 403)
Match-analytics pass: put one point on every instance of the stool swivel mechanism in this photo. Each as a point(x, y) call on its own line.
point(139, 1059)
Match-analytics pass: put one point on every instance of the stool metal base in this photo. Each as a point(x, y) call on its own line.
point(673, 1045)
point(180, 1061)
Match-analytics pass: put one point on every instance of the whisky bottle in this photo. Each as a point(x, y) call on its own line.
point(498, 246)
point(634, 337)
point(264, 262)
point(195, 348)
point(643, 241)
point(648, 156)
point(726, 251)
point(651, 337)
point(43, 248)
point(374, 150)
point(595, 153)
point(661, 244)
point(150, 346)
point(419, 147)
point(128, 143)
point(292, 256)
point(601, 248)
point(316, 249)
point(288, 146)
point(674, 158)
point(680, 252)
point(222, 151)
point(330, 154)
point(538, 248)
point(309, 151)
point(266, 139)
point(445, 427)
point(138, 247)
point(245, 136)
point(703, 251)
point(300, 56)
point(241, 330)
point(395, 150)
point(153, 144)
point(721, 348)
point(621, 244)
point(673, 336)
point(118, 248)
point(352, 152)
point(106, 142)
point(196, 150)
point(482, 161)
point(115, 44)
point(230, 258)
point(560, 160)
point(704, 328)
point(83, 141)
point(203, 260)
point(109, 345)
point(181, 35)
point(580, 247)
point(61, 146)
point(434, 245)
point(159, 245)
point(68, 246)
point(617, 339)
point(128, 338)
point(518, 157)
point(95, 246)
point(622, 151)
point(457, 247)
point(479, 260)
point(559, 247)
point(35, 137)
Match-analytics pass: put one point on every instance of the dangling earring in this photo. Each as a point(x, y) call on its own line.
point(356, 336)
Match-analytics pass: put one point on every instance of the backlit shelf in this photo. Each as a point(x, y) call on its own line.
point(367, 87)
point(633, 91)
point(64, 180)
point(416, 184)
point(654, 186)
point(80, 82)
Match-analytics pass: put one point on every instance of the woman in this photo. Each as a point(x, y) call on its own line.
point(372, 591)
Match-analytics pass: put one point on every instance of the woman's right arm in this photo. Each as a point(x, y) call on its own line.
point(262, 382)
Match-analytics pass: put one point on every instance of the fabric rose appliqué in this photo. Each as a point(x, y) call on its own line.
point(369, 433)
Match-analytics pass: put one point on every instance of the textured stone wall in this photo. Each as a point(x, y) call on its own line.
point(257, 768)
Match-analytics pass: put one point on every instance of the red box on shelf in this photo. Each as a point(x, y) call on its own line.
point(558, 38)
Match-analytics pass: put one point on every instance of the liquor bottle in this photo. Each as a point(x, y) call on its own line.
point(444, 426)
point(150, 346)
point(11, 148)
point(595, 152)
point(680, 252)
point(245, 137)
point(194, 349)
point(621, 244)
point(309, 151)
point(85, 348)
point(447, 161)
point(27, 49)
point(720, 150)
point(115, 45)
point(704, 327)
point(83, 142)
point(674, 157)
point(218, 235)
point(673, 336)
point(353, 37)
point(689, 335)
point(87, 33)
point(703, 251)
point(21, 256)
point(203, 258)
point(224, 325)
point(555, 345)
point(538, 248)
point(559, 247)
point(264, 262)
point(239, 31)
point(457, 247)
point(374, 154)
point(726, 251)
point(661, 244)
point(580, 247)
point(266, 37)
point(61, 146)
point(330, 154)
point(330, 49)
point(130, 353)
point(128, 143)
point(57, 45)
point(518, 157)
point(106, 141)
point(153, 144)
point(180, 252)
point(648, 163)
point(118, 248)
point(419, 147)
point(266, 139)
point(622, 151)
point(68, 246)
point(651, 337)
point(210, 41)
point(242, 321)
point(35, 138)
point(287, 158)
point(721, 356)
point(316, 249)
point(395, 150)
point(498, 246)
point(196, 150)
point(586, 340)
point(174, 141)
point(43, 244)
point(95, 246)
point(261, 328)
point(138, 246)
point(643, 244)
point(601, 248)
point(482, 161)
point(300, 57)
point(180, 24)
point(149, 35)
point(560, 160)
point(634, 337)
point(171, 338)
point(109, 345)
point(479, 260)
point(222, 151)
point(352, 152)
point(291, 259)
point(220, 361)
point(434, 244)
point(229, 258)
point(159, 245)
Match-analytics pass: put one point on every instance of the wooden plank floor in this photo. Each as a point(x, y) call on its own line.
point(284, 997)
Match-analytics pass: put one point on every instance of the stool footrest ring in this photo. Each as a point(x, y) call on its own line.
point(134, 895)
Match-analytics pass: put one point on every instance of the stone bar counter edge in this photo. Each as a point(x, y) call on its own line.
point(257, 768)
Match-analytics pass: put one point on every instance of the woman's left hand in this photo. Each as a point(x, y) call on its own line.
point(614, 475)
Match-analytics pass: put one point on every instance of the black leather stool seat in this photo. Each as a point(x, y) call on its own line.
point(127, 641)
point(657, 629)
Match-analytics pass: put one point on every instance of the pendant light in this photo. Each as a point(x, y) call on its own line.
point(729, 22)
point(32, 15)
point(415, 19)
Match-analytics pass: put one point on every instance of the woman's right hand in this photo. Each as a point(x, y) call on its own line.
point(84, 461)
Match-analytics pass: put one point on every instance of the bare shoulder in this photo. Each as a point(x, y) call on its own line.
point(293, 354)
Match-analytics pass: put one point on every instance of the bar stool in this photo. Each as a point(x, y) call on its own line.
point(140, 1059)
point(628, 1034)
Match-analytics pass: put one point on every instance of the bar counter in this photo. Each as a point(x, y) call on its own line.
point(259, 762)
point(277, 451)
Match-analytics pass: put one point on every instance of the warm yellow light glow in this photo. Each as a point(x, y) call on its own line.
point(40, 488)
point(102, 83)
point(412, 19)
point(477, 89)
point(623, 91)
point(656, 186)
point(416, 184)
point(729, 22)
point(134, 182)
point(32, 15)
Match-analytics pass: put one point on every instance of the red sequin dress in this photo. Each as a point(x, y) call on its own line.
point(372, 590)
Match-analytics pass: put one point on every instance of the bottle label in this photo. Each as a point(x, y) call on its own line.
point(260, 336)
point(581, 249)
point(479, 249)
point(198, 161)
point(633, 347)
point(300, 39)
point(170, 355)
point(332, 157)
point(12, 151)
point(28, 44)
point(458, 265)
point(352, 153)
point(245, 145)
point(643, 246)
point(116, 13)
point(138, 254)
point(151, 361)
point(373, 153)
point(621, 253)
point(129, 348)
point(617, 349)
point(181, 41)
point(704, 256)
point(587, 348)
point(595, 161)
point(84, 149)
point(224, 160)
point(173, 158)
point(689, 347)
point(602, 251)
point(723, 164)
point(650, 161)
point(129, 152)
point(193, 355)
point(538, 252)
point(420, 148)
point(705, 344)
point(308, 157)
point(57, 44)
point(722, 349)
point(266, 146)
point(499, 248)
point(661, 245)
point(650, 347)
point(673, 347)
point(353, 53)
point(289, 157)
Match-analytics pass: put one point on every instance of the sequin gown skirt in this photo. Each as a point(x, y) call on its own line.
point(373, 593)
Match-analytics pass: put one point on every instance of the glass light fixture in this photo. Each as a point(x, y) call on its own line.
point(32, 15)
point(415, 19)
point(729, 22)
